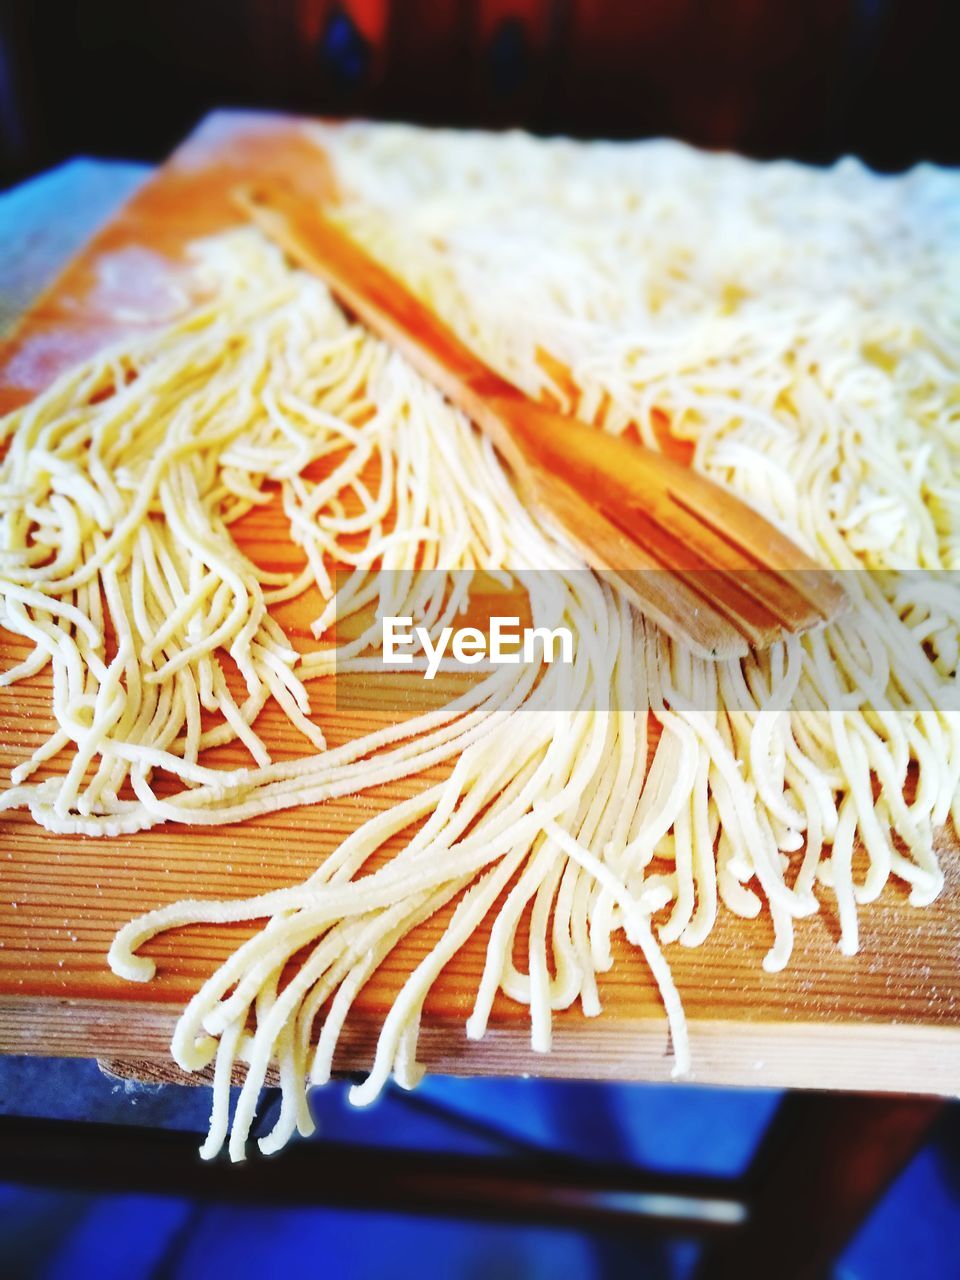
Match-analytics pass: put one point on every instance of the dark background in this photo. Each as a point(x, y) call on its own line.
point(806, 78)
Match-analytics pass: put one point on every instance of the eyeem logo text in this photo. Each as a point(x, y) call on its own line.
point(506, 644)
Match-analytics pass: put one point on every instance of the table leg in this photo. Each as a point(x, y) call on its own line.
point(825, 1161)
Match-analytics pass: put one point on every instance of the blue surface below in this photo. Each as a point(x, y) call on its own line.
point(54, 1234)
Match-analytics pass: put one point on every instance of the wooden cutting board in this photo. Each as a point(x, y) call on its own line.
point(887, 1019)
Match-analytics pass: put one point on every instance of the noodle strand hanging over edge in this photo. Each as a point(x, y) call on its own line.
point(121, 483)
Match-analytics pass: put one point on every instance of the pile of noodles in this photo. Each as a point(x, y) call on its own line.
point(800, 328)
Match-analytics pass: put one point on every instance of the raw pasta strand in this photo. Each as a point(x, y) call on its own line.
point(751, 313)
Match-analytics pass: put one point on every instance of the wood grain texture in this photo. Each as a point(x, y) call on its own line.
point(887, 1019)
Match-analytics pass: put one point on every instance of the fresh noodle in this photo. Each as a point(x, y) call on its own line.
point(798, 330)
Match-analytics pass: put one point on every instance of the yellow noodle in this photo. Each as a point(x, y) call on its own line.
point(810, 369)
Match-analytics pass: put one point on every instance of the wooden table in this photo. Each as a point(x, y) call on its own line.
point(887, 1019)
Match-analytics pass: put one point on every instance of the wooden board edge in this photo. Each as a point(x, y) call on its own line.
point(903, 1058)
